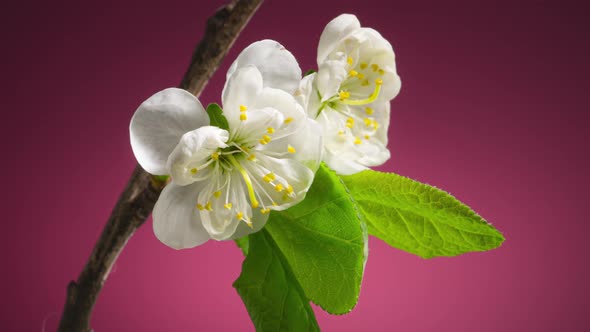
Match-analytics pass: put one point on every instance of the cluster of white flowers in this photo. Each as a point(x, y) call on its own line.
point(224, 183)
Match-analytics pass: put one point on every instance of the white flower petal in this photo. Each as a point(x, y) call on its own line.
point(176, 221)
point(330, 76)
point(260, 123)
point(350, 150)
point(288, 185)
point(341, 165)
point(277, 65)
point(220, 220)
point(306, 95)
point(241, 89)
point(190, 159)
point(158, 124)
point(305, 146)
point(377, 50)
point(333, 34)
point(258, 221)
point(286, 105)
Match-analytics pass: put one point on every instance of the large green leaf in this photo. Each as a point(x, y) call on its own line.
point(418, 218)
point(272, 295)
point(324, 242)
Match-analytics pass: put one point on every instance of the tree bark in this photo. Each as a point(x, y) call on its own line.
point(139, 197)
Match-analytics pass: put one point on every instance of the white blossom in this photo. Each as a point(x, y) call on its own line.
point(225, 182)
point(349, 95)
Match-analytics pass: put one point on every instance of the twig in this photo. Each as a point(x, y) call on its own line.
point(137, 200)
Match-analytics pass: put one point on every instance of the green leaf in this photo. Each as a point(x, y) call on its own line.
point(324, 242)
point(216, 116)
point(309, 72)
point(270, 291)
point(418, 218)
point(243, 244)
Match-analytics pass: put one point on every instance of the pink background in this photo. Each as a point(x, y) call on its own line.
point(493, 109)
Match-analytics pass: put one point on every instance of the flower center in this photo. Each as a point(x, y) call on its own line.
point(263, 188)
point(359, 78)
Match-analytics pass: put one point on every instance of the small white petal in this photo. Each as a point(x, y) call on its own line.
point(342, 166)
point(241, 89)
point(249, 132)
point(305, 146)
point(186, 162)
point(330, 75)
point(258, 221)
point(286, 105)
point(158, 124)
point(306, 95)
point(176, 221)
point(277, 65)
point(351, 150)
point(377, 50)
point(287, 172)
point(219, 221)
point(333, 34)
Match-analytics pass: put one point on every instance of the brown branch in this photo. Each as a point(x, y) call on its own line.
point(137, 200)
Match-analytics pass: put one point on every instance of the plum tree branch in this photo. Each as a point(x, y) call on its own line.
point(139, 196)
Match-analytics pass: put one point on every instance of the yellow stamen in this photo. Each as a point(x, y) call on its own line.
point(227, 206)
point(349, 61)
point(290, 149)
point(245, 148)
point(375, 67)
point(289, 189)
point(200, 207)
point(252, 157)
point(194, 170)
point(265, 211)
point(246, 177)
point(208, 206)
point(365, 82)
point(288, 120)
point(269, 177)
point(340, 132)
point(381, 72)
point(243, 117)
point(217, 194)
point(265, 139)
point(243, 108)
point(255, 204)
point(363, 65)
point(215, 156)
point(369, 110)
point(239, 215)
point(366, 136)
point(357, 141)
point(353, 73)
point(361, 76)
point(368, 122)
point(349, 122)
point(248, 223)
point(279, 187)
point(375, 125)
point(270, 130)
point(344, 95)
point(370, 99)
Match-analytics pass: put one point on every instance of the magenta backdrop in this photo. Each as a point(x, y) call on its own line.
point(493, 109)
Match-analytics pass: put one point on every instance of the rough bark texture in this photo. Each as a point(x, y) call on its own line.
point(137, 200)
